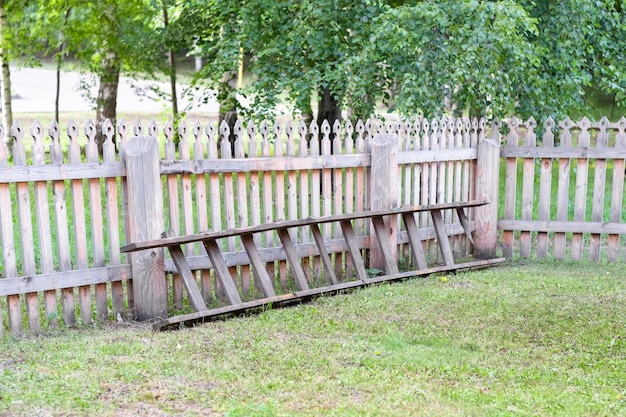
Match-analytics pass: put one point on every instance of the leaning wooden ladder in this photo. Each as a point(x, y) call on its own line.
point(264, 283)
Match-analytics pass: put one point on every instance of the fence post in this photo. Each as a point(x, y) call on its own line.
point(487, 184)
point(384, 191)
point(146, 222)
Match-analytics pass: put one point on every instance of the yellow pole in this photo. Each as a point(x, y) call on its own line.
point(240, 72)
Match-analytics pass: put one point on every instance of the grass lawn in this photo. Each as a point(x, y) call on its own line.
point(541, 338)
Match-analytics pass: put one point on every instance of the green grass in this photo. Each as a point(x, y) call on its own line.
point(545, 338)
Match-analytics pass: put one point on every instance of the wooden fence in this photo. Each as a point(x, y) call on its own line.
point(564, 190)
point(64, 211)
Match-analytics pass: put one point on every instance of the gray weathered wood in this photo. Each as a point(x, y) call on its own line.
point(221, 271)
point(545, 188)
point(487, 174)
point(384, 191)
point(580, 196)
point(617, 194)
point(419, 259)
point(294, 259)
point(563, 184)
point(323, 253)
point(357, 260)
point(189, 280)
point(146, 222)
point(385, 245)
point(262, 279)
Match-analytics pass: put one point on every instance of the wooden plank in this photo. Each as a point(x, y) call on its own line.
point(580, 197)
point(304, 196)
point(173, 205)
point(293, 258)
point(63, 280)
point(113, 219)
point(510, 186)
point(563, 186)
point(528, 189)
point(387, 250)
point(188, 278)
point(617, 194)
point(297, 223)
point(353, 248)
point(215, 198)
point(581, 227)
point(262, 279)
point(337, 192)
point(263, 163)
point(361, 180)
point(279, 201)
point(286, 299)
point(316, 190)
point(321, 247)
point(96, 222)
point(67, 171)
point(442, 237)
point(221, 271)
point(44, 230)
point(349, 192)
point(147, 220)
point(201, 203)
point(242, 200)
point(26, 233)
point(465, 223)
point(545, 188)
point(599, 189)
point(419, 259)
point(576, 152)
point(466, 180)
point(268, 198)
point(62, 228)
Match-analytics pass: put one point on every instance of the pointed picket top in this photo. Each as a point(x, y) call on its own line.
point(183, 131)
point(278, 139)
point(459, 124)
point(548, 124)
point(360, 127)
point(90, 132)
point(337, 128)
point(303, 147)
point(54, 132)
point(108, 130)
point(512, 123)
point(211, 143)
point(315, 140)
point(265, 141)
point(434, 126)
point(17, 133)
point(621, 125)
point(584, 123)
point(368, 129)
point(548, 134)
point(291, 141)
point(198, 146)
point(183, 140)
point(72, 131)
point(224, 131)
point(153, 130)
point(251, 130)
point(168, 132)
point(604, 123)
point(379, 126)
point(122, 130)
point(138, 128)
point(325, 130)
point(426, 127)
point(239, 145)
point(567, 123)
point(38, 153)
point(349, 128)
point(390, 127)
point(36, 131)
point(210, 131)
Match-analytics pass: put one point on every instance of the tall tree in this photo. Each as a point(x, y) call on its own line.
point(5, 73)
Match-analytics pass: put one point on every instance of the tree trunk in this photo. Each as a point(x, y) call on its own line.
point(228, 109)
point(328, 108)
point(107, 95)
point(59, 60)
point(172, 68)
point(5, 80)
